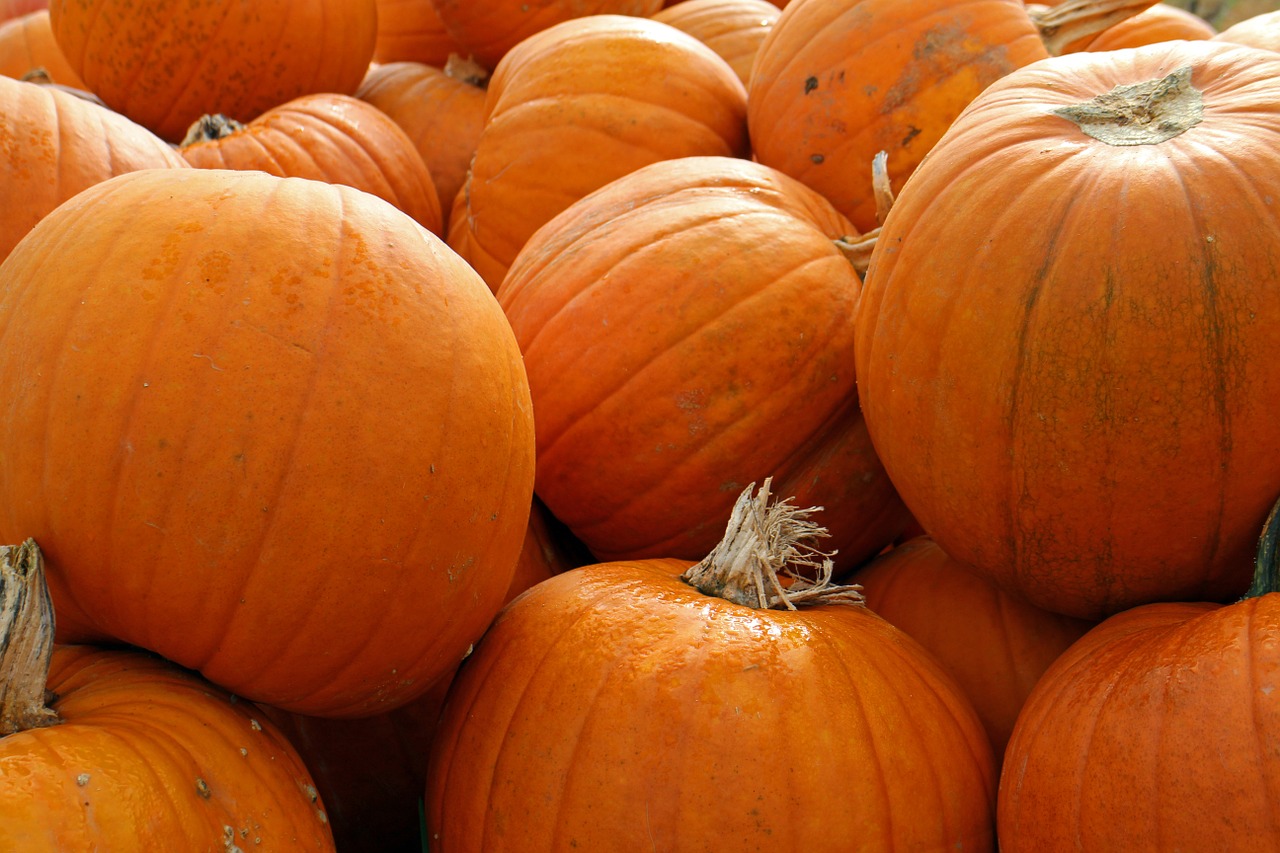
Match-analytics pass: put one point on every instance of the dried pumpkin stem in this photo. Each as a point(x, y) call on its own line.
point(466, 70)
point(1266, 574)
point(858, 249)
point(763, 544)
point(1073, 20)
point(26, 639)
point(210, 128)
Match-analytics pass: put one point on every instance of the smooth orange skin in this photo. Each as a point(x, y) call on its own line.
point(995, 645)
point(411, 31)
point(688, 331)
point(1260, 31)
point(488, 31)
point(1064, 349)
point(334, 138)
point(1157, 731)
point(121, 772)
point(54, 144)
point(270, 428)
point(10, 9)
point(26, 43)
point(581, 104)
point(838, 81)
point(166, 64)
point(616, 708)
point(734, 29)
point(443, 116)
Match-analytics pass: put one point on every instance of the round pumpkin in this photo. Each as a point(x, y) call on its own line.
point(660, 704)
point(1161, 22)
point(132, 753)
point(270, 428)
point(1156, 731)
point(325, 137)
point(54, 144)
point(10, 9)
point(576, 106)
point(734, 29)
point(164, 64)
point(687, 329)
point(1064, 346)
point(27, 47)
point(411, 31)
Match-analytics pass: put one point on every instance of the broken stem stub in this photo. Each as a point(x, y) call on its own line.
point(26, 639)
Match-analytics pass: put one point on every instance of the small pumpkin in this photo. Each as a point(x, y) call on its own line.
point(704, 706)
point(132, 752)
point(411, 31)
point(27, 46)
point(734, 29)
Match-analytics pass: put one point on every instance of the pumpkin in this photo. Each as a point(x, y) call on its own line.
point(1260, 31)
point(10, 9)
point(1157, 730)
point(326, 137)
point(411, 31)
point(164, 65)
point(54, 144)
point(486, 31)
point(995, 645)
point(249, 409)
point(734, 29)
point(1161, 22)
point(688, 329)
point(27, 45)
point(133, 753)
point(576, 106)
point(664, 704)
point(1062, 346)
point(440, 109)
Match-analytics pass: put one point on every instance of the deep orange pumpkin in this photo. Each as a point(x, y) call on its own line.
point(1156, 731)
point(578, 105)
point(10, 9)
point(133, 753)
point(325, 137)
point(27, 45)
point(688, 329)
point(1064, 346)
point(165, 64)
point(270, 428)
point(411, 31)
point(734, 29)
point(619, 707)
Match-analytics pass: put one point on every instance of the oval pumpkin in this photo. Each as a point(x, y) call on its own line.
point(263, 407)
point(1063, 346)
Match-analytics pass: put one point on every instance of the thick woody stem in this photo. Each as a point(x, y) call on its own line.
point(26, 639)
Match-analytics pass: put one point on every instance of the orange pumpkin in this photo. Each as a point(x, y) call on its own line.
point(578, 105)
point(264, 407)
point(326, 137)
point(440, 109)
point(1064, 345)
point(1157, 730)
point(27, 45)
point(10, 9)
point(994, 644)
point(658, 705)
point(1161, 22)
point(164, 65)
point(411, 31)
point(734, 29)
point(133, 753)
point(1260, 31)
point(687, 329)
point(54, 144)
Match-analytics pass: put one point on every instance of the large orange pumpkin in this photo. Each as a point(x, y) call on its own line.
point(54, 144)
point(578, 105)
point(270, 428)
point(1065, 347)
point(688, 329)
point(1159, 730)
point(657, 705)
point(133, 753)
point(166, 64)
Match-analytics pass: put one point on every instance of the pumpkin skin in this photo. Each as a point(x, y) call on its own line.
point(734, 29)
point(150, 757)
point(1076, 409)
point(1161, 22)
point(687, 329)
point(10, 9)
point(165, 65)
point(26, 44)
point(54, 144)
point(578, 105)
point(837, 82)
point(994, 645)
point(1261, 31)
point(609, 706)
point(239, 452)
point(326, 137)
point(440, 109)
point(411, 31)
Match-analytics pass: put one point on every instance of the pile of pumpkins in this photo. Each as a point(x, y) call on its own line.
point(486, 425)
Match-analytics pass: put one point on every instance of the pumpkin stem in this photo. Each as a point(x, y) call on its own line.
point(858, 249)
point(26, 639)
point(761, 545)
point(466, 70)
point(1065, 24)
point(1266, 574)
point(210, 128)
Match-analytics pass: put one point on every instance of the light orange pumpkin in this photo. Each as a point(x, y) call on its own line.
point(325, 137)
point(1260, 31)
point(27, 45)
point(734, 29)
point(273, 430)
point(1161, 22)
point(10, 9)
